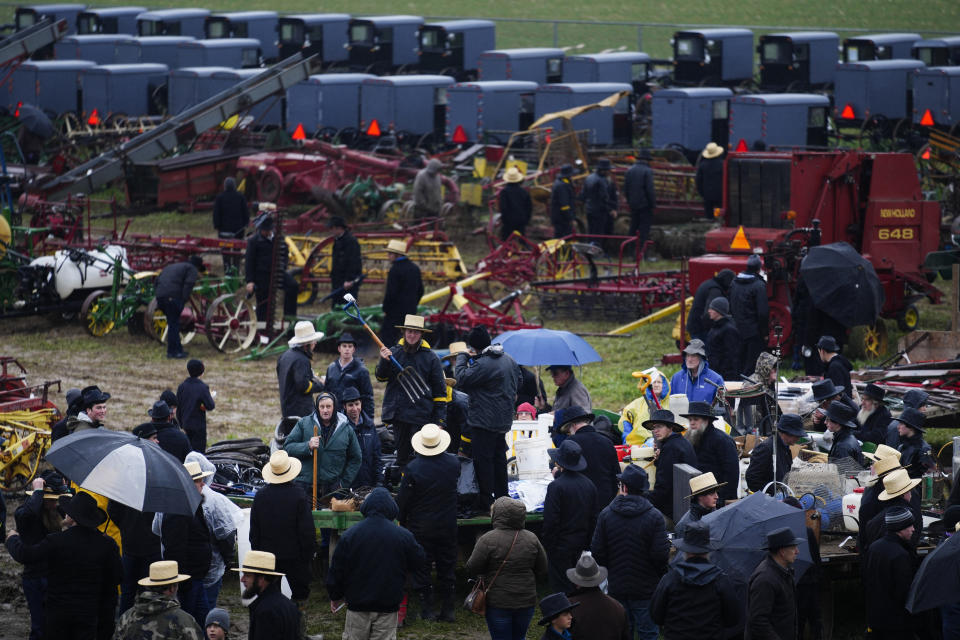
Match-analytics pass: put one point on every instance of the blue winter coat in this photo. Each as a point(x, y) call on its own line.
point(371, 465)
point(699, 387)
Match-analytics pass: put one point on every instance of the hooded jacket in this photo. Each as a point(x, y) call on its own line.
point(338, 458)
point(630, 539)
point(694, 600)
point(698, 322)
point(156, 615)
point(427, 193)
point(748, 302)
point(838, 371)
point(515, 586)
point(80, 422)
point(432, 407)
point(723, 348)
point(698, 386)
point(373, 558)
point(491, 382)
point(637, 412)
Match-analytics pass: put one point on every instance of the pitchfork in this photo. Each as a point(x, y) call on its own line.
point(408, 378)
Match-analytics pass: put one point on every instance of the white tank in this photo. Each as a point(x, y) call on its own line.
point(851, 510)
point(93, 270)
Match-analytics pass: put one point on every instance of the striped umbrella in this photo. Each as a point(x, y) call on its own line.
point(122, 467)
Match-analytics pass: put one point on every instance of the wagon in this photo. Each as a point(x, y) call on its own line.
point(323, 34)
point(156, 49)
point(779, 120)
point(936, 97)
point(268, 113)
point(938, 52)
point(188, 87)
point(118, 20)
point(234, 53)
point(52, 85)
point(879, 46)
point(128, 89)
point(97, 48)
point(488, 111)
point(688, 119)
point(28, 15)
point(259, 25)
point(712, 56)
point(453, 47)
point(327, 104)
point(536, 64)
point(606, 126)
point(631, 67)
point(383, 44)
point(407, 106)
point(874, 97)
point(797, 60)
point(172, 22)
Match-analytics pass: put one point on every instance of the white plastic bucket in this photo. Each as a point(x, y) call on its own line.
point(851, 510)
point(532, 459)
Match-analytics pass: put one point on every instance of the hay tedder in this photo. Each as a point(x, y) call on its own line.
point(26, 416)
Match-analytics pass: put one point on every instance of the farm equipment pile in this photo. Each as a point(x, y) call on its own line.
point(26, 417)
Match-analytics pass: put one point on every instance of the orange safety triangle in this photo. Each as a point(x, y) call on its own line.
point(927, 119)
point(926, 154)
point(459, 135)
point(373, 129)
point(742, 145)
point(848, 113)
point(740, 240)
point(299, 133)
point(94, 119)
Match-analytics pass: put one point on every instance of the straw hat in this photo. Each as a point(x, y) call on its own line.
point(455, 348)
point(303, 333)
point(712, 150)
point(884, 466)
point(431, 440)
point(883, 451)
point(413, 322)
point(897, 483)
point(397, 246)
point(259, 562)
point(513, 175)
point(163, 572)
point(196, 473)
point(704, 484)
point(281, 468)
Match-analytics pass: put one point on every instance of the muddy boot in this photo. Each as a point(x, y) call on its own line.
point(426, 604)
point(447, 611)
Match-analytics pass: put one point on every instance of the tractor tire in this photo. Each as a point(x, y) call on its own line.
point(909, 318)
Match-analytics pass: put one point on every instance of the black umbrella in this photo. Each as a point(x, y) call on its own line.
point(122, 467)
point(843, 284)
point(937, 581)
point(35, 121)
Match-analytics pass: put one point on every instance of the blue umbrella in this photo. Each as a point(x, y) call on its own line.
point(547, 346)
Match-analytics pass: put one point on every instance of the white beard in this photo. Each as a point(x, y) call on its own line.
point(863, 415)
point(693, 436)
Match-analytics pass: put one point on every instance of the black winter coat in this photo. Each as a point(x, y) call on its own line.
point(516, 207)
point(370, 473)
point(29, 521)
point(230, 212)
point(890, 565)
point(695, 600)
point(374, 558)
point(870, 504)
point(83, 572)
point(428, 494)
point(136, 530)
point(838, 371)
point(845, 445)
point(638, 187)
point(723, 349)
point(397, 407)
point(258, 261)
point(717, 453)
point(569, 515)
point(709, 179)
point(491, 381)
point(630, 539)
point(915, 455)
point(698, 322)
point(695, 513)
point(873, 529)
point(402, 292)
point(281, 522)
point(748, 303)
point(193, 402)
point(346, 262)
point(772, 603)
point(273, 616)
point(760, 470)
point(354, 375)
point(172, 440)
point(562, 201)
point(598, 616)
point(186, 539)
point(602, 463)
point(674, 450)
point(295, 375)
point(599, 197)
point(529, 388)
point(874, 428)
point(176, 281)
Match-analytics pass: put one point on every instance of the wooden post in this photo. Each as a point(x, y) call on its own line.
point(955, 325)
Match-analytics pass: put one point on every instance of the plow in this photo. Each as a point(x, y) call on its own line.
point(26, 416)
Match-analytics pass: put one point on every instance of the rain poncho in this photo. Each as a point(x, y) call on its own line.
point(633, 415)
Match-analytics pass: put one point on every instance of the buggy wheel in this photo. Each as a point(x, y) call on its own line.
point(909, 318)
point(231, 323)
point(96, 314)
point(875, 342)
point(307, 291)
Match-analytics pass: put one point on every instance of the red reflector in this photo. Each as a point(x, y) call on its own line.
point(927, 119)
point(848, 113)
point(742, 145)
point(459, 135)
point(373, 129)
point(926, 154)
point(94, 119)
point(16, 114)
point(299, 133)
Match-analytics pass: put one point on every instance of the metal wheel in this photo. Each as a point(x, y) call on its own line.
point(231, 323)
point(306, 291)
point(393, 211)
point(875, 341)
point(96, 314)
point(155, 323)
point(909, 318)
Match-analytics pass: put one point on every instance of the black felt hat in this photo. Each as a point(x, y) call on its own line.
point(634, 477)
point(791, 424)
point(781, 538)
point(553, 605)
point(91, 396)
point(875, 392)
point(663, 416)
point(568, 455)
point(828, 344)
point(350, 394)
point(83, 509)
point(842, 413)
point(823, 390)
point(159, 411)
point(913, 418)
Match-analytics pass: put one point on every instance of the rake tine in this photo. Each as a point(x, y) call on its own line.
point(412, 394)
point(417, 380)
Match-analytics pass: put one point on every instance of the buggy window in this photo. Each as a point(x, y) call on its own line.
point(775, 52)
point(362, 33)
point(291, 32)
point(431, 39)
point(817, 117)
point(689, 48)
point(721, 109)
point(87, 24)
point(638, 72)
point(25, 18)
point(218, 29)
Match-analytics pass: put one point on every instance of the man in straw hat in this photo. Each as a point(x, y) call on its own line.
point(771, 600)
point(281, 522)
point(516, 207)
point(36, 518)
point(556, 611)
point(599, 616)
point(295, 374)
point(695, 599)
point(404, 416)
point(156, 612)
point(401, 293)
point(258, 265)
point(885, 460)
point(569, 512)
point(630, 538)
point(760, 471)
point(840, 422)
point(897, 492)
point(709, 178)
point(428, 508)
point(272, 615)
point(873, 416)
point(369, 568)
point(704, 496)
point(346, 261)
point(673, 449)
point(716, 451)
point(890, 565)
point(641, 196)
point(563, 198)
point(83, 571)
point(915, 452)
point(188, 541)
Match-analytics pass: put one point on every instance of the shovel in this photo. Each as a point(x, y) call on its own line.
point(408, 378)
